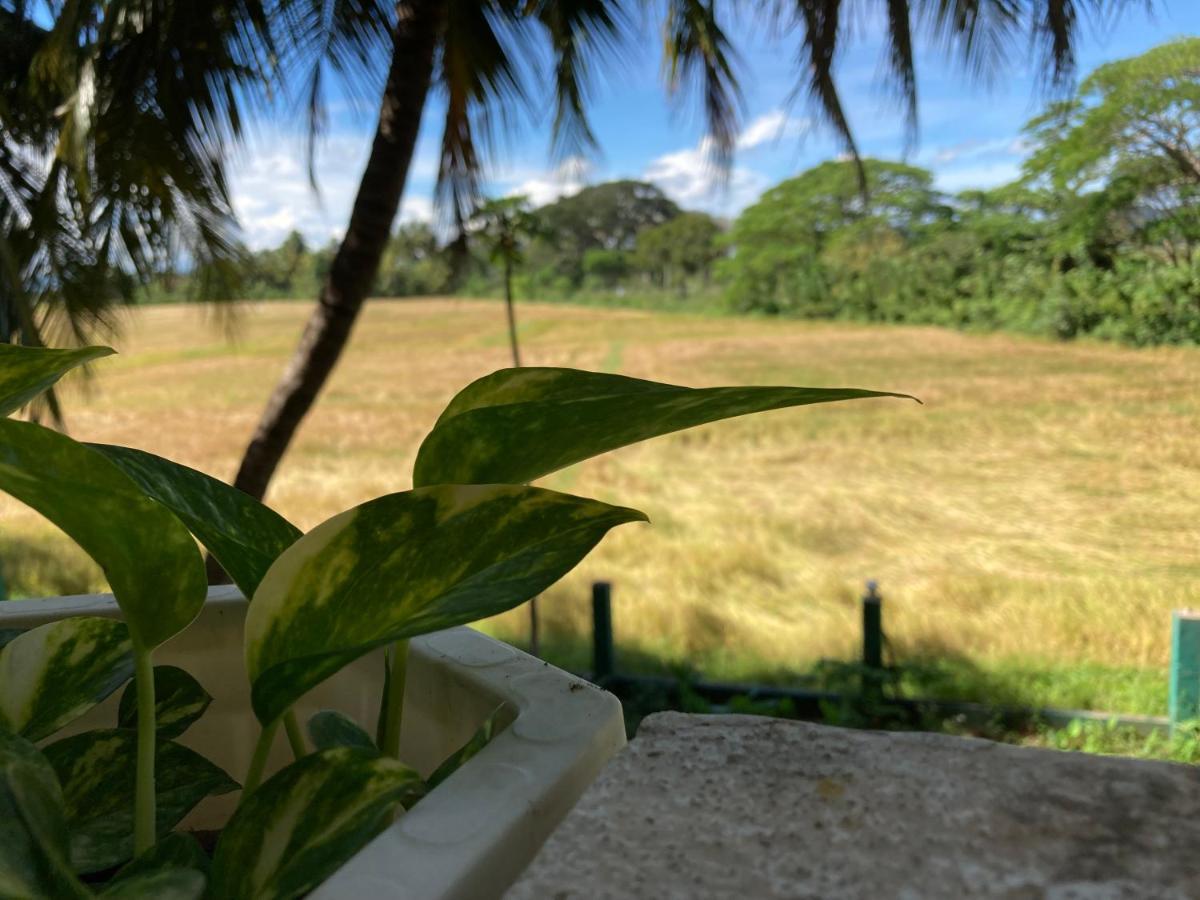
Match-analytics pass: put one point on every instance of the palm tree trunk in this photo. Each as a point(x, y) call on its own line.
point(512, 314)
point(354, 267)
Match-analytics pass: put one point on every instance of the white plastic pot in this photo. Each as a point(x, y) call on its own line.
point(475, 832)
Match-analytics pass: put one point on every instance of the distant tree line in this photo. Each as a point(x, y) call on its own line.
point(614, 236)
point(1098, 236)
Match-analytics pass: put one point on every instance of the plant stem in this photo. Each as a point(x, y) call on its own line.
point(144, 800)
point(395, 708)
point(258, 762)
point(294, 735)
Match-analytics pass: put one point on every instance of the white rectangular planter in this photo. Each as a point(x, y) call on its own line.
point(475, 832)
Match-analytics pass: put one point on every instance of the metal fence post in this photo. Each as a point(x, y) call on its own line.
point(603, 663)
point(1183, 699)
point(872, 642)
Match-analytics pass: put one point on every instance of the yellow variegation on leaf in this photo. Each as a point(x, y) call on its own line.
point(151, 562)
point(33, 827)
point(516, 425)
point(244, 534)
point(407, 564)
point(97, 773)
point(54, 673)
point(301, 824)
point(26, 372)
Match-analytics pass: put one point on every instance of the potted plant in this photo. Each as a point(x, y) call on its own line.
point(351, 646)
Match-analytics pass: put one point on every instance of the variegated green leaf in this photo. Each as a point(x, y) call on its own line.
point(406, 564)
point(33, 828)
point(456, 760)
point(27, 371)
point(165, 884)
point(149, 558)
point(329, 729)
point(54, 673)
point(480, 739)
point(516, 425)
point(385, 702)
point(176, 850)
point(179, 700)
point(244, 535)
point(97, 773)
point(302, 824)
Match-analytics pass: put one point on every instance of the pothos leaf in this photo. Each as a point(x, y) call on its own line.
point(97, 772)
point(174, 851)
point(304, 822)
point(516, 425)
point(179, 700)
point(54, 673)
point(385, 703)
point(27, 371)
point(33, 828)
point(329, 729)
point(407, 564)
point(151, 561)
point(163, 884)
point(244, 535)
point(480, 739)
point(456, 760)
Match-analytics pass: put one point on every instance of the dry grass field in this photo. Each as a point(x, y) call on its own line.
point(1038, 515)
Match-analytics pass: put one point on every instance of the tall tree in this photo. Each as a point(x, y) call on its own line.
point(680, 249)
point(414, 263)
point(506, 226)
point(1125, 153)
point(781, 241)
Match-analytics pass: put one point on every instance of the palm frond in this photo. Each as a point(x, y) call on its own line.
point(583, 35)
point(901, 61)
point(820, 21)
point(982, 33)
point(484, 90)
point(351, 39)
point(699, 56)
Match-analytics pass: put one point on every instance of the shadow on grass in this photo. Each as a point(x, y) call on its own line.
point(649, 683)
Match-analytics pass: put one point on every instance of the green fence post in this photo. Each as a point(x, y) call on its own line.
point(1183, 702)
point(602, 632)
point(872, 642)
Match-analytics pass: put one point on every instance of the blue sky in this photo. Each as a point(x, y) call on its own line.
point(969, 133)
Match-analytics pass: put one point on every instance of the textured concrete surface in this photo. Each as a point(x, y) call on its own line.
point(747, 807)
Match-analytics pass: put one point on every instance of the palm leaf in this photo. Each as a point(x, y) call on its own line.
point(700, 56)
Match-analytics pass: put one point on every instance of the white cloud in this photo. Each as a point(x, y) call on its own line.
point(976, 149)
point(985, 175)
point(773, 126)
point(691, 180)
point(542, 187)
point(272, 195)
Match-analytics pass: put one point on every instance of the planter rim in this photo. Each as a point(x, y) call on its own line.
point(474, 834)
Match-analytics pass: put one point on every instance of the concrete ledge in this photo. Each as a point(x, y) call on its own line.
point(748, 807)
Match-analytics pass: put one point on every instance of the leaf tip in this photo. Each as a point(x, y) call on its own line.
point(634, 515)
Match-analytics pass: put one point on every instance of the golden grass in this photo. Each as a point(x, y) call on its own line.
point(1041, 505)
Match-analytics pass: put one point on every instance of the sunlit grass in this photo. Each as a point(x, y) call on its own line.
point(1035, 518)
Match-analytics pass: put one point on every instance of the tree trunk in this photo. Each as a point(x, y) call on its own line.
point(415, 39)
point(535, 643)
point(512, 314)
